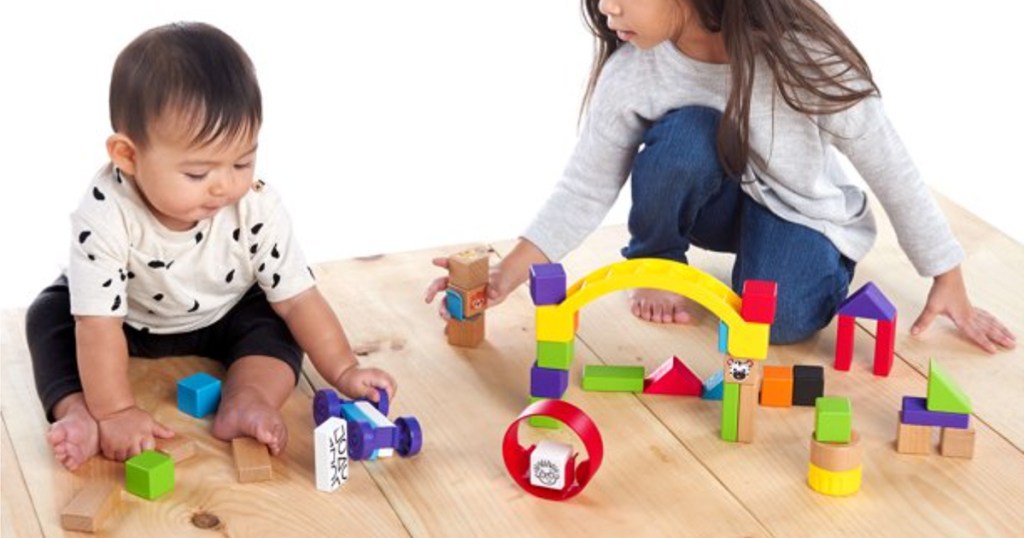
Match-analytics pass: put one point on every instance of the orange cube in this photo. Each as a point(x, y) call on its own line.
point(777, 386)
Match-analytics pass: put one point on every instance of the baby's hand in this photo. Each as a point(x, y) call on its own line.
point(497, 289)
point(357, 382)
point(948, 297)
point(128, 432)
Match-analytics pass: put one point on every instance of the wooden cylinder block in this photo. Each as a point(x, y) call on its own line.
point(837, 457)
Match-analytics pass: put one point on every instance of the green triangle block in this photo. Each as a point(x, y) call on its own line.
point(943, 393)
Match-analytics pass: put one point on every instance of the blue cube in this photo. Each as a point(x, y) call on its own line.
point(547, 283)
point(199, 394)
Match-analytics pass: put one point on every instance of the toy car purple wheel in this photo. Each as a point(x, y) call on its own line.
point(326, 404)
point(383, 403)
point(360, 439)
point(410, 436)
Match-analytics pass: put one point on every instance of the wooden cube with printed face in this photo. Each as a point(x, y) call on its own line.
point(465, 303)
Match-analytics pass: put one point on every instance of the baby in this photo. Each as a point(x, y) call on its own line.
point(177, 249)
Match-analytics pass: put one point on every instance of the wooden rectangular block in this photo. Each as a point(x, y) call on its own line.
point(179, 447)
point(913, 439)
point(777, 386)
point(747, 412)
point(469, 268)
point(251, 459)
point(464, 303)
point(466, 333)
point(602, 378)
point(90, 507)
point(957, 443)
point(730, 411)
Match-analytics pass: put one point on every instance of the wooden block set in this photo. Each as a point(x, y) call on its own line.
point(741, 376)
point(946, 408)
point(466, 297)
point(870, 303)
point(786, 386)
point(835, 468)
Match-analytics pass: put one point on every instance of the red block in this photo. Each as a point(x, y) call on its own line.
point(758, 304)
point(885, 346)
point(673, 377)
point(844, 343)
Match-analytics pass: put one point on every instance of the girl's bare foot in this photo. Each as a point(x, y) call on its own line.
point(75, 437)
point(659, 306)
point(247, 414)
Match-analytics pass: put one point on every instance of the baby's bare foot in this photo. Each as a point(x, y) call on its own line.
point(659, 306)
point(251, 416)
point(74, 438)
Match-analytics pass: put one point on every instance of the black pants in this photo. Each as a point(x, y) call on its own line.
point(250, 328)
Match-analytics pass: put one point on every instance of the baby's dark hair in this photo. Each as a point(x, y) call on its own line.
point(192, 68)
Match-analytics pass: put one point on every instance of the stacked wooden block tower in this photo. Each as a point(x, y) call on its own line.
point(947, 408)
point(835, 468)
point(549, 376)
point(741, 377)
point(868, 302)
point(466, 297)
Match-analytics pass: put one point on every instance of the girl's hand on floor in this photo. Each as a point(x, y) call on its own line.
point(948, 297)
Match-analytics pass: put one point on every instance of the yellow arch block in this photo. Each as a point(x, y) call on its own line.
point(746, 340)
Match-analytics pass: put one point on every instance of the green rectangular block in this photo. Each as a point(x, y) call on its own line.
point(730, 411)
point(543, 422)
point(833, 419)
point(555, 355)
point(613, 378)
point(149, 475)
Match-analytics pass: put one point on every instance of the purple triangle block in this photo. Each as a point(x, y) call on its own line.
point(868, 302)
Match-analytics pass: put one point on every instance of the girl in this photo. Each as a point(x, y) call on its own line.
point(737, 105)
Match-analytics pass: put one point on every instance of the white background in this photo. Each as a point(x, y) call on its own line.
point(406, 124)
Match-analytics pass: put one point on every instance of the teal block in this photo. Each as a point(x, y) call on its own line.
point(199, 394)
point(723, 337)
point(833, 419)
point(600, 378)
point(555, 355)
point(730, 411)
point(149, 475)
point(454, 303)
point(714, 387)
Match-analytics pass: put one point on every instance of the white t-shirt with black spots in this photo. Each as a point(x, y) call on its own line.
point(125, 263)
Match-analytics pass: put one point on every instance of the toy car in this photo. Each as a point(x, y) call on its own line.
point(370, 434)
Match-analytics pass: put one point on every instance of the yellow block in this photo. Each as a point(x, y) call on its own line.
point(553, 325)
point(835, 484)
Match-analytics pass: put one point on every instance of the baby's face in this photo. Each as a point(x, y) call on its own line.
point(183, 182)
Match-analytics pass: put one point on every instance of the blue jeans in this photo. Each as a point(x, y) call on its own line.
point(681, 196)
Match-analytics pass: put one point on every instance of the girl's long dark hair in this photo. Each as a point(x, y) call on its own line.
point(817, 69)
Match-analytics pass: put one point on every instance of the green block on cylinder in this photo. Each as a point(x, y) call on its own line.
point(543, 422)
point(613, 378)
point(149, 475)
point(833, 419)
point(555, 355)
point(730, 411)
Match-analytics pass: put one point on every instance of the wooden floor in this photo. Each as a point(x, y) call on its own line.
point(665, 471)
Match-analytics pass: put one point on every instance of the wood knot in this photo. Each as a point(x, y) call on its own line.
point(205, 520)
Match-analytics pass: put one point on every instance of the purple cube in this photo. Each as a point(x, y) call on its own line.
point(915, 411)
point(547, 283)
point(548, 382)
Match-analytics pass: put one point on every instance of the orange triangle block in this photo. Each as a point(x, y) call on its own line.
point(673, 377)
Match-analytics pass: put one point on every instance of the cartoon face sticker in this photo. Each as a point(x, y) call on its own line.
point(739, 369)
point(546, 472)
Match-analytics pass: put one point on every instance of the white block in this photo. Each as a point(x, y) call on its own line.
point(547, 464)
point(373, 414)
point(330, 441)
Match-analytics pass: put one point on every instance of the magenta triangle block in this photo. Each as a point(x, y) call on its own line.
point(868, 302)
point(673, 377)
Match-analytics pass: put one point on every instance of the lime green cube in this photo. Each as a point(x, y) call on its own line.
point(613, 378)
point(543, 422)
point(833, 419)
point(149, 475)
point(555, 355)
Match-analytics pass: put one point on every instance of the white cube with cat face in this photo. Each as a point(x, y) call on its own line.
point(548, 463)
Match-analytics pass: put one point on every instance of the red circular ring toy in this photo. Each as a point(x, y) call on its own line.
point(517, 458)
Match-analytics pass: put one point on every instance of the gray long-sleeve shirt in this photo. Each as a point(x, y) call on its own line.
point(793, 169)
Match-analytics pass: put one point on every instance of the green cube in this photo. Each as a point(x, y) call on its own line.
point(555, 355)
point(730, 411)
point(543, 422)
point(613, 378)
point(149, 475)
point(833, 419)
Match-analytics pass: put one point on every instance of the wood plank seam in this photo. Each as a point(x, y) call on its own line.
point(21, 475)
